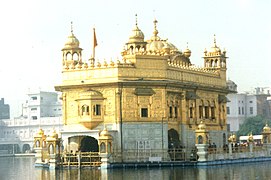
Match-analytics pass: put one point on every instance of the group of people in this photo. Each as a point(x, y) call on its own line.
point(212, 147)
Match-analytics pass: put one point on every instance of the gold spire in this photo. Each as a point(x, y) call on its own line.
point(137, 35)
point(71, 27)
point(214, 41)
point(136, 19)
point(155, 32)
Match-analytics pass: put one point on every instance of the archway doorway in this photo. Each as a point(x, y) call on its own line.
point(89, 144)
point(26, 148)
point(173, 139)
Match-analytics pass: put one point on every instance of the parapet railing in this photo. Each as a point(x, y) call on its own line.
point(93, 159)
point(237, 152)
point(78, 159)
point(155, 155)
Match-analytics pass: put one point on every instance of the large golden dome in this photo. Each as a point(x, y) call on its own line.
point(156, 44)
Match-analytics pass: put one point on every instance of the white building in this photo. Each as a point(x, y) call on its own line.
point(245, 105)
point(42, 104)
point(41, 110)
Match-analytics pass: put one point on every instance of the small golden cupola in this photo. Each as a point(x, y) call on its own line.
point(215, 49)
point(105, 134)
point(232, 138)
point(201, 126)
point(40, 133)
point(250, 137)
point(39, 139)
point(187, 52)
point(137, 35)
point(136, 43)
point(54, 134)
point(53, 143)
point(266, 129)
point(201, 134)
point(266, 134)
point(105, 141)
point(72, 53)
point(215, 58)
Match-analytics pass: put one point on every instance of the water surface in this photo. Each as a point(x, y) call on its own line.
point(22, 168)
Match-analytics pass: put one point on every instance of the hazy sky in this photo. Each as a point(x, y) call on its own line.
point(33, 32)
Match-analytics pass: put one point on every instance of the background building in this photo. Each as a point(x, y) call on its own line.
point(41, 110)
point(244, 105)
point(4, 110)
point(42, 104)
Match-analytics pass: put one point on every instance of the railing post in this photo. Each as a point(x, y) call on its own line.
point(79, 159)
point(230, 150)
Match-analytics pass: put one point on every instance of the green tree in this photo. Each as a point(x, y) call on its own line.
point(253, 124)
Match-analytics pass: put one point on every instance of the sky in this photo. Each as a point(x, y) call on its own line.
point(33, 32)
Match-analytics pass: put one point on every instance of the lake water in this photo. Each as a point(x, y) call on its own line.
point(22, 168)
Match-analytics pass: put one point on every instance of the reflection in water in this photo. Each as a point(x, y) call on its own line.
point(23, 168)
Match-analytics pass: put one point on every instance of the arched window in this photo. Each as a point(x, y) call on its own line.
point(200, 139)
point(75, 57)
point(191, 110)
point(201, 109)
point(213, 110)
point(102, 147)
point(85, 110)
point(131, 50)
point(215, 65)
point(137, 48)
point(206, 110)
point(211, 63)
point(37, 143)
point(68, 56)
point(51, 149)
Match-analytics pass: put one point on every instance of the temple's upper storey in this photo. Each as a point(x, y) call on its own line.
point(154, 58)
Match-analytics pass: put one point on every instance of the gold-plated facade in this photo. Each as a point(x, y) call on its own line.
point(152, 89)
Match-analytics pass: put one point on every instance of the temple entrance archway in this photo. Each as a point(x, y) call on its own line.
point(89, 144)
point(82, 143)
point(173, 139)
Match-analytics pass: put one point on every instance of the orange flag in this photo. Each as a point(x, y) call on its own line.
point(94, 38)
point(94, 44)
